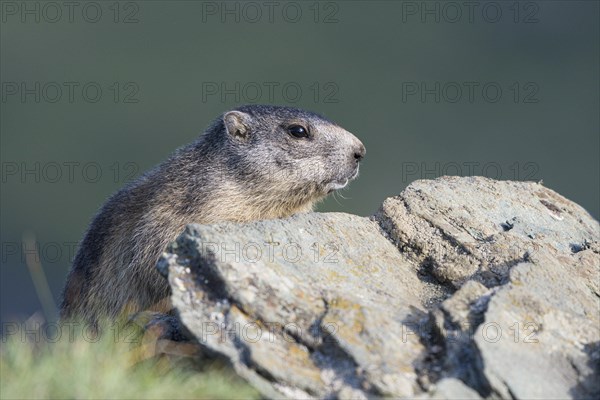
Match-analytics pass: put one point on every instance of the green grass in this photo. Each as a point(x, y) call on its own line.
point(76, 368)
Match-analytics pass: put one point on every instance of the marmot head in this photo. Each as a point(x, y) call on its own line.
point(296, 154)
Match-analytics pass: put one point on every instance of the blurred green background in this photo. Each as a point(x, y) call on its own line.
point(397, 74)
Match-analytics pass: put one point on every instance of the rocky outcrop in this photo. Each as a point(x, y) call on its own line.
point(456, 288)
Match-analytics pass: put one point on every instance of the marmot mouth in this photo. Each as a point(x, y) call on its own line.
point(336, 185)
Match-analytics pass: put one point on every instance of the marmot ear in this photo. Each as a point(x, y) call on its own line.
point(237, 124)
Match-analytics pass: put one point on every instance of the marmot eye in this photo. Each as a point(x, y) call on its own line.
point(298, 131)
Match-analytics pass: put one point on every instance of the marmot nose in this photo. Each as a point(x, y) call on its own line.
point(359, 152)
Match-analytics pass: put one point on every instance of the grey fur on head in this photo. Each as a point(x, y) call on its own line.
point(254, 162)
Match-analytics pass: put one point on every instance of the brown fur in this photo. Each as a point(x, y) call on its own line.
point(246, 166)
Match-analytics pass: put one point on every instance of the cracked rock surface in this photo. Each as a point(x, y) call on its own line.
point(456, 288)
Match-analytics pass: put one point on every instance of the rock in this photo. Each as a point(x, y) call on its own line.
point(537, 335)
point(450, 389)
point(456, 288)
point(314, 302)
point(477, 228)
